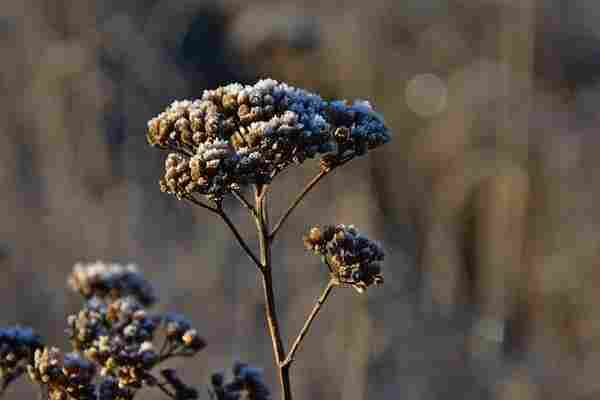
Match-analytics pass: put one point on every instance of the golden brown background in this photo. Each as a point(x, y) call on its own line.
point(484, 199)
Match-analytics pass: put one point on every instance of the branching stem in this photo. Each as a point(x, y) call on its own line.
point(239, 238)
point(312, 316)
point(297, 201)
point(220, 212)
point(267, 281)
point(309, 186)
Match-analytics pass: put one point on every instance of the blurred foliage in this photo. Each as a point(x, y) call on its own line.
point(483, 200)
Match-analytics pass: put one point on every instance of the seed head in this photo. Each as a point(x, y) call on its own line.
point(352, 259)
point(111, 281)
point(239, 134)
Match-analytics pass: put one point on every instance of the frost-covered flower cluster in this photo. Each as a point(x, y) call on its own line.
point(17, 349)
point(64, 376)
point(247, 383)
point(352, 258)
point(113, 338)
point(111, 281)
point(117, 337)
point(236, 134)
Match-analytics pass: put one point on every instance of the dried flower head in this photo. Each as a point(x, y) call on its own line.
point(180, 335)
point(108, 389)
point(111, 281)
point(17, 349)
point(236, 134)
point(352, 258)
point(118, 337)
point(247, 383)
point(65, 376)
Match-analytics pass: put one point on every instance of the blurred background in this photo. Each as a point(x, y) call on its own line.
point(484, 199)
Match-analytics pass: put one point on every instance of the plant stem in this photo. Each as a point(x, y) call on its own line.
point(267, 281)
point(309, 186)
point(240, 197)
point(322, 299)
point(197, 202)
point(239, 238)
point(299, 198)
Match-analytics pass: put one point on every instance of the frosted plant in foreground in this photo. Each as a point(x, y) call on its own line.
point(232, 138)
point(239, 136)
point(114, 339)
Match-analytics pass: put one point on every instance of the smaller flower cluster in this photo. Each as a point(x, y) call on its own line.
point(17, 349)
point(118, 337)
point(111, 281)
point(113, 338)
point(181, 337)
point(352, 258)
point(247, 383)
point(66, 376)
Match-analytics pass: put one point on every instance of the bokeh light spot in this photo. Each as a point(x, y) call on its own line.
point(426, 95)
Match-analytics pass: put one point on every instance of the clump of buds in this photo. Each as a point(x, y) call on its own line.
point(181, 338)
point(352, 258)
point(17, 349)
point(358, 127)
point(64, 376)
point(111, 281)
point(118, 337)
point(113, 337)
point(247, 383)
point(238, 134)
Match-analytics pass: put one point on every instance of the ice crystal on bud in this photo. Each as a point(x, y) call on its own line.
point(240, 134)
point(352, 258)
point(111, 281)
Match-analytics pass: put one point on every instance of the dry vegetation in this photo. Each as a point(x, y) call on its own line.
point(484, 199)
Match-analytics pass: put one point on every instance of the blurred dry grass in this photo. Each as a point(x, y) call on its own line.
point(485, 197)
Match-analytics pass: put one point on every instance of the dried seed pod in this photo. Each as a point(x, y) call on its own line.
point(352, 259)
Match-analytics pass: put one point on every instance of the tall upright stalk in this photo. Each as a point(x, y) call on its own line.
point(262, 223)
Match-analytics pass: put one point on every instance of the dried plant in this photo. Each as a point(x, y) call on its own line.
point(233, 137)
point(113, 338)
point(240, 136)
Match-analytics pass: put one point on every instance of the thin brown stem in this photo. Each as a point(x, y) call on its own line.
point(304, 331)
point(313, 182)
point(163, 388)
point(269, 296)
point(197, 202)
point(240, 197)
point(299, 198)
point(239, 237)
point(220, 212)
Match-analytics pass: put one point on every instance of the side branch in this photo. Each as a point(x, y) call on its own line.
point(240, 197)
point(239, 238)
point(197, 202)
point(295, 203)
point(304, 331)
point(323, 173)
